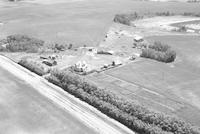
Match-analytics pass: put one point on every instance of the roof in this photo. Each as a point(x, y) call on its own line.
point(137, 37)
point(190, 31)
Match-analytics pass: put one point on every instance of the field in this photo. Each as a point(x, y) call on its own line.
point(171, 88)
point(25, 110)
point(80, 22)
point(147, 82)
point(187, 48)
point(194, 25)
point(163, 22)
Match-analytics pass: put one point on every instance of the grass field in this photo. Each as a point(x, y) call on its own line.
point(187, 48)
point(79, 22)
point(160, 87)
point(171, 88)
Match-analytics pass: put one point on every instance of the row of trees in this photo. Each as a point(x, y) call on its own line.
point(167, 13)
point(34, 66)
point(133, 115)
point(160, 52)
point(127, 18)
point(191, 14)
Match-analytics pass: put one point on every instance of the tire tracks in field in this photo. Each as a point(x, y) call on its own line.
point(145, 89)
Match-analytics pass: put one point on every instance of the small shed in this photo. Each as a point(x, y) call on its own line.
point(138, 38)
point(49, 62)
point(43, 57)
point(111, 52)
point(116, 62)
point(53, 57)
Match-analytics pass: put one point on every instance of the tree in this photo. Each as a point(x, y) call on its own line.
point(70, 46)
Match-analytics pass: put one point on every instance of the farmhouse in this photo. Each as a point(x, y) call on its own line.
point(82, 66)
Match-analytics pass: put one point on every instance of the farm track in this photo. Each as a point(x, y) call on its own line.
point(81, 110)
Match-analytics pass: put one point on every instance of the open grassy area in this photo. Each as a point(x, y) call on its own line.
point(79, 22)
point(156, 85)
point(187, 48)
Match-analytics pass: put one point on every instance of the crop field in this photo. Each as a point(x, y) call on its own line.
point(80, 22)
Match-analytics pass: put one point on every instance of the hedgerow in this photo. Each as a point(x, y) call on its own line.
point(34, 66)
point(136, 117)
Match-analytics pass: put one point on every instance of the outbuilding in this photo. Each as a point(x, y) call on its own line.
point(190, 31)
point(138, 38)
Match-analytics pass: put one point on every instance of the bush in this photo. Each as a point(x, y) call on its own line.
point(182, 29)
point(167, 13)
point(136, 117)
point(3, 49)
point(158, 46)
point(34, 66)
point(126, 18)
point(23, 43)
point(191, 14)
point(70, 46)
point(159, 52)
point(60, 47)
